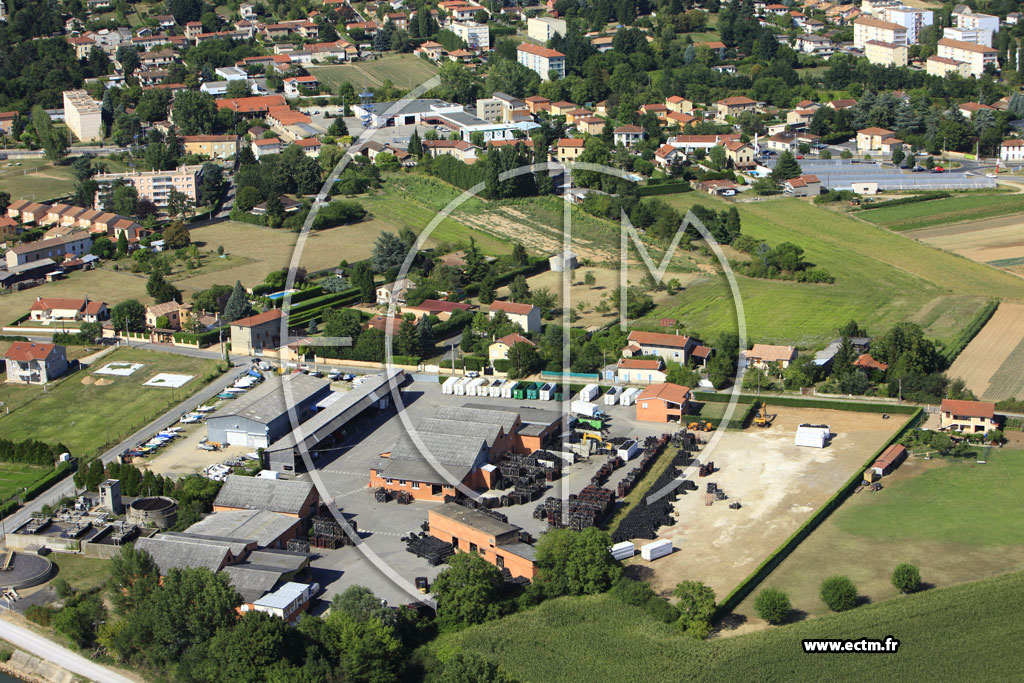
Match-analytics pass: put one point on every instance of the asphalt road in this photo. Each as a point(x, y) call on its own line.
point(36, 644)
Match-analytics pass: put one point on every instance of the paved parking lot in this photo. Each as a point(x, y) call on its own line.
point(344, 471)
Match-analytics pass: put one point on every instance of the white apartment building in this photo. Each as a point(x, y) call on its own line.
point(964, 17)
point(477, 36)
point(911, 18)
point(82, 115)
point(542, 60)
point(979, 36)
point(976, 56)
point(869, 28)
point(544, 29)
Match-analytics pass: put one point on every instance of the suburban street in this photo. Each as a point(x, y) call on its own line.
point(46, 649)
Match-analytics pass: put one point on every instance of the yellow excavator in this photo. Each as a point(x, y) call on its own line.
point(762, 418)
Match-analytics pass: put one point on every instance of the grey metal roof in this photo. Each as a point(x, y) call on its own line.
point(252, 582)
point(261, 526)
point(506, 419)
point(413, 107)
point(283, 596)
point(237, 546)
point(438, 425)
point(420, 471)
point(174, 553)
point(276, 495)
point(447, 449)
point(285, 560)
point(475, 519)
point(271, 399)
point(524, 550)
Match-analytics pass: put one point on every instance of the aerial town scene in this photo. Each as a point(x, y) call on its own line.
point(511, 341)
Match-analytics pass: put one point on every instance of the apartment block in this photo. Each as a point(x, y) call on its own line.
point(976, 56)
point(477, 36)
point(869, 28)
point(156, 186)
point(885, 54)
point(544, 29)
point(82, 115)
point(911, 18)
point(541, 60)
point(943, 66)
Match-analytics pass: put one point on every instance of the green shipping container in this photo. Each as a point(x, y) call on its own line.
point(533, 391)
point(519, 391)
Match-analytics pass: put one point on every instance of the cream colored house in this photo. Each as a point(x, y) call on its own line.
point(975, 417)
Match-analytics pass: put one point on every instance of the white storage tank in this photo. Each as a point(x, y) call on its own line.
point(449, 385)
point(629, 396)
point(623, 551)
point(507, 388)
point(473, 388)
point(460, 386)
point(547, 392)
point(590, 392)
point(655, 549)
point(611, 397)
point(495, 388)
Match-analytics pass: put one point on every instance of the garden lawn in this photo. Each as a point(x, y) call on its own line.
point(967, 632)
point(943, 211)
point(404, 71)
point(99, 285)
point(79, 415)
point(955, 519)
point(881, 278)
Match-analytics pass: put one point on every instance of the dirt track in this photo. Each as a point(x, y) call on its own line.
point(778, 484)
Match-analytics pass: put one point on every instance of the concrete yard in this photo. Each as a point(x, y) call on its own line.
point(778, 484)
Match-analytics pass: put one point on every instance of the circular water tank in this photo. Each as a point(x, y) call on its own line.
point(24, 570)
point(158, 511)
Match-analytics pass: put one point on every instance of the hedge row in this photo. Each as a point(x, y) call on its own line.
point(664, 188)
point(9, 508)
point(537, 265)
point(47, 481)
point(794, 402)
point(926, 197)
point(821, 514)
point(246, 217)
point(12, 338)
point(203, 338)
point(968, 333)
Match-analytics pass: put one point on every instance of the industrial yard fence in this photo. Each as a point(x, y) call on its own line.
point(770, 563)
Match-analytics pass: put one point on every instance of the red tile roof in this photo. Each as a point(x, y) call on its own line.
point(968, 408)
point(26, 351)
point(513, 308)
point(511, 340)
point(770, 352)
point(532, 49)
point(259, 318)
point(670, 341)
point(865, 360)
point(639, 364)
point(672, 393)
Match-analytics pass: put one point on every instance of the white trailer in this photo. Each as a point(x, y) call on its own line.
point(623, 551)
point(547, 392)
point(495, 388)
point(611, 397)
point(655, 549)
point(507, 388)
point(448, 387)
point(473, 387)
point(590, 392)
point(460, 386)
point(629, 396)
point(585, 409)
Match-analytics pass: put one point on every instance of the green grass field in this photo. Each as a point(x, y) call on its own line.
point(970, 630)
point(79, 415)
point(943, 211)
point(881, 278)
point(16, 476)
point(35, 180)
point(955, 519)
point(404, 71)
point(84, 573)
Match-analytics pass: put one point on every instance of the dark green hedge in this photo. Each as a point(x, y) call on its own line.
point(12, 338)
point(790, 544)
point(46, 482)
point(501, 364)
point(538, 264)
point(203, 338)
point(794, 402)
point(9, 508)
point(664, 188)
point(926, 197)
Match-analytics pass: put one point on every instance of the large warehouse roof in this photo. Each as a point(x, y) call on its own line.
point(271, 398)
point(506, 419)
point(276, 495)
point(261, 526)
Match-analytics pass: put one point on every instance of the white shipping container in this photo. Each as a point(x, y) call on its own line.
point(585, 409)
point(507, 388)
point(655, 549)
point(611, 397)
point(627, 450)
point(473, 388)
point(449, 385)
point(814, 437)
point(589, 392)
point(496, 386)
point(460, 386)
point(629, 396)
point(547, 392)
point(623, 551)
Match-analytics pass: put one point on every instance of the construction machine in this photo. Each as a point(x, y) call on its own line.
point(762, 418)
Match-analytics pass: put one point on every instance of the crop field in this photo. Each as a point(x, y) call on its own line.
point(992, 365)
point(943, 211)
point(98, 285)
point(35, 179)
point(81, 409)
point(943, 318)
point(955, 519)
point(995, 241)
point(881, 278)
point(404, 71)
point(602, 639)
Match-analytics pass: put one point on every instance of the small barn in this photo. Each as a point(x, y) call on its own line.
point(889, 460)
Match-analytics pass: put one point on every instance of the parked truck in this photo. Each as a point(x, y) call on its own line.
point(586, 409)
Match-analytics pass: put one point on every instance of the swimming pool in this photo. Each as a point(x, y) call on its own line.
point(280, 295)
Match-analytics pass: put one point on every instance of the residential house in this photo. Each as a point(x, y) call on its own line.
point(537, 104)
point(35, 363)
point(310, 147)
point(172, 310)
point(674, 348)
point(568, 149)
point(628, 135)
point(212, 146)
point(726, 188)
point(295, 85)
point(663, 403)
point(591, 125)
point(498, 350)
point(52, 309)
point(394, 292)
point(762, 356)
point(806, 185)
point(974, 417)
point(76, 244)
point(432, 50)
point(969, 109)
point(1011, 150)
point(439, 308)
point(679, 105)
point(739, 154)
point(666, 155)
point(640, 371)
point(257, 333)
point(527, 316)
point(870, 139)
point(265, 146)
point(734, 106)
point(460, 149)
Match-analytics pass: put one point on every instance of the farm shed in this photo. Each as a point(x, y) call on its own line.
point(814, 436)
point(889, 460)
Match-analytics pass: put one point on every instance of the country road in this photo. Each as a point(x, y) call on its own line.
point(46, 649)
